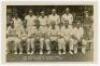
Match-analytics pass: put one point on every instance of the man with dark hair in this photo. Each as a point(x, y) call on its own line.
point(54, 17)
point(77, 35)
point(18, 26)
point(31, 20)
point(54, 29)
point(43, 22)
point(67, 17)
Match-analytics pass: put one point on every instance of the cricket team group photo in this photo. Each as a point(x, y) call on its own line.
point(49, 30)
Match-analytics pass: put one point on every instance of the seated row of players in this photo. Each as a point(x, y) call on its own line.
point(49, 30)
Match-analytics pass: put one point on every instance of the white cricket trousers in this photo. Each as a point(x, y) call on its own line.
point(47, 42)
point(9, 40)
point(30, 44)
point(18, 45)
point(73, 45)
point(84, 44)
point(42, 42)
point(61, 44)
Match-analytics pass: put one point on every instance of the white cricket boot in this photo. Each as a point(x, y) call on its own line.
point(28, 53)
point(71, 52)
point(41, 52)
point(32, 52)
point(20, 53)
point(83, 51)
point(49, 52)
point(59, 52)
point(15, 53)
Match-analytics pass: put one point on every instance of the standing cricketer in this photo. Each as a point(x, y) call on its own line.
point(43, 22)
point(30, 19)
point(31, 30)
point(67, 17)
point(18, 29)
point(54, 18)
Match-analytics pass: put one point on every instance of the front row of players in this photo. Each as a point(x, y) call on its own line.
point(61, 34)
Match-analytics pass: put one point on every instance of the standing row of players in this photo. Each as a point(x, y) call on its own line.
point(46, 30)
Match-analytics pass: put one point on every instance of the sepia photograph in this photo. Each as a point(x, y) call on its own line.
point(49, 33)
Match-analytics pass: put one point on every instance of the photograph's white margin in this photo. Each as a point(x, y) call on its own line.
point(3, 46)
